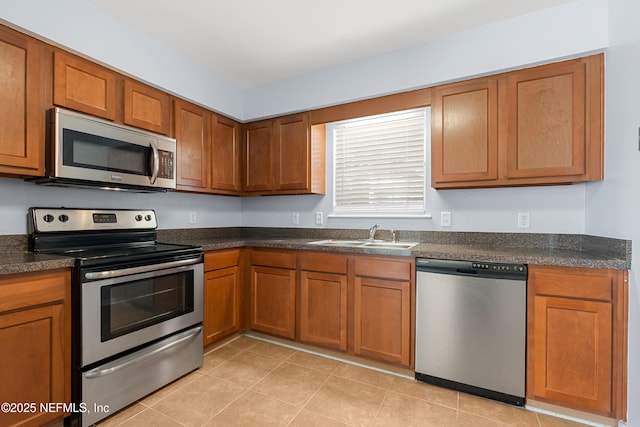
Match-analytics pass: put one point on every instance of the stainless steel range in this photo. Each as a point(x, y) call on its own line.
point(137, 305)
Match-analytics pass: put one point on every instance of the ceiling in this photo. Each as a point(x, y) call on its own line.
point(255, 42)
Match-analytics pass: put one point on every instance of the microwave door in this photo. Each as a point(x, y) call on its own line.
point(97, 158)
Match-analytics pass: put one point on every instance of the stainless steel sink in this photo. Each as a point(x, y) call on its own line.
point(365, 243)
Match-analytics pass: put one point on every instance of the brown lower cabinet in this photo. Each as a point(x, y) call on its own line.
point(577, 338)
point(323, 300)
point(356, 304)
point(222, 294)
point(35, 335)
point(273, 292)
point(383, 292)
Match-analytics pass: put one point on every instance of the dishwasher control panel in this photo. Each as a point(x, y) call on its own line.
point(477, 268)
point(499, 267)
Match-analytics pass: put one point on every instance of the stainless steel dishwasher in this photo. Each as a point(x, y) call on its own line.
point(471, 327)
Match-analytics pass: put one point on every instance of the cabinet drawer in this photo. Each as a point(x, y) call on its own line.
point(326, 263)
point(585, 283)
point(25, 290)
point(216, 260)
point(384, 268)
point(273, 258)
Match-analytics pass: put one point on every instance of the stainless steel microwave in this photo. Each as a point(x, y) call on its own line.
point(87, 151)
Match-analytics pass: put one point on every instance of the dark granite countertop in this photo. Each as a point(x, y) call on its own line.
point(22, 261)
point(527, 248)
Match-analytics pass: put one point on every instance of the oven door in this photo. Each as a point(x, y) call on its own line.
point(135, 306)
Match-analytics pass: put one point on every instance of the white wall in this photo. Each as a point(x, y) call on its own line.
point(613, 204)
point(81, 26)
point(575, 28)
point(172, 209)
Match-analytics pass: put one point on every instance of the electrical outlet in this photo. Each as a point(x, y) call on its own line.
point(319, 218)
point(524, 220)
point(445, 219)
point(192, 218)
point(296, 218)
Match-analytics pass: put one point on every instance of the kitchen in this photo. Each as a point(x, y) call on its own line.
point(603, 208)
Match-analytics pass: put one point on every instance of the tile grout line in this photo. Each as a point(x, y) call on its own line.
point(249, 389)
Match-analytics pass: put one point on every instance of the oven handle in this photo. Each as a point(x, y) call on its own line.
point(101, 372)
point(142, 269)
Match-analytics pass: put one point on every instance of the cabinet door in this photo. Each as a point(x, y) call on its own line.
point(577, 338)
point(323, 309)
point(546, 121)
point(464, 138)
point(291, 146)
point(273, 301)
point(573, 352)
point(32, 362)
point(84, 86)
point(146, 107)
point(225, 155)
point(22, 134)
point(382, 319)
point(193, 140)
point(221, 303)
point(258, 175)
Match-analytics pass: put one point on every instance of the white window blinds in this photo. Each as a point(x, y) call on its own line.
point(379, 165)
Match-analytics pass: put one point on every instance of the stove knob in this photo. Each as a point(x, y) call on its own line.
point(63, 218)
point(138, 217)
point(147, 217)
point(48, 218)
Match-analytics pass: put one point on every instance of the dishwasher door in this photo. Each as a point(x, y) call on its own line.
point(471, 328)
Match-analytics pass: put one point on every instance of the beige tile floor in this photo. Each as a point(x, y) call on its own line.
point(250, 382)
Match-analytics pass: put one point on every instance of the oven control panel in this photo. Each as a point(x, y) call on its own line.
point(66, 219)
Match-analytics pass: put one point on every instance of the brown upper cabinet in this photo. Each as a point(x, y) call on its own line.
point(208, 150)
point(225, 156)
point(285, 155)
point(84, 86)
point(146, 107)
point(22, 104)
point(87, 87)
point(193, 134)
point(542, 125)
point(257, 157)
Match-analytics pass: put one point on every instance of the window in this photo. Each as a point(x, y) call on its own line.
point(380, 164)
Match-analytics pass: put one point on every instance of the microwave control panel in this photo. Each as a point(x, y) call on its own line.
point(166, 166)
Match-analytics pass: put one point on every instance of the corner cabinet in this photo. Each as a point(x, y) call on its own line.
point(225, 156)
point(222, 294)
point(35, 329)
point(22, 105)
point(273, 292)
point(542, 125)
point(208, 150)
point(192, 127)
point(285, 155)
point(577, 338)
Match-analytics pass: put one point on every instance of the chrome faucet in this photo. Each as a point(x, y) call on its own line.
point(394, 236)
point(372, 231)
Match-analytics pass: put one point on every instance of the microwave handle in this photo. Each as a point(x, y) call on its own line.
point(155, 163)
